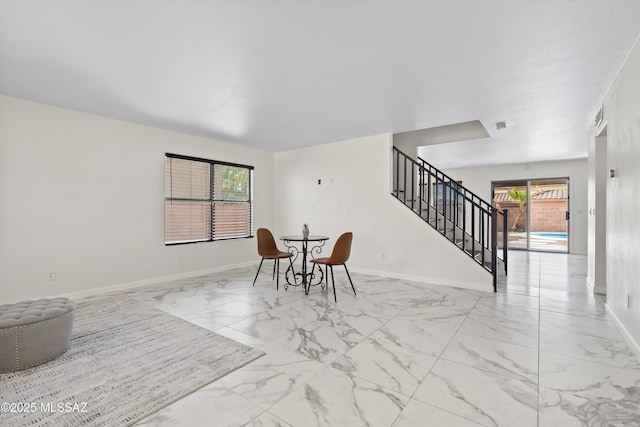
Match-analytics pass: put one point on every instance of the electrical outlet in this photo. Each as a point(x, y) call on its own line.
point(51, 275)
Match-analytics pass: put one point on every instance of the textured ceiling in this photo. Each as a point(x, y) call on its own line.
point(278, 75)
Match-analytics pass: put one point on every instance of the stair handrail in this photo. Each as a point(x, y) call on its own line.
point(502, 212)
point(458, 186)
point(457, 190)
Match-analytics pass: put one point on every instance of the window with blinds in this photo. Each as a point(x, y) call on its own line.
point(206, 200)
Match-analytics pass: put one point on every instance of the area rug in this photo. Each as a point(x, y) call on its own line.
point(126, 361)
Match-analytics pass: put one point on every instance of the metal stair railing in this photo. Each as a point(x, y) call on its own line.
point(461, 216)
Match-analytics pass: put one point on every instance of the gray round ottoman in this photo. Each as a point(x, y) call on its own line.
point(34, 332)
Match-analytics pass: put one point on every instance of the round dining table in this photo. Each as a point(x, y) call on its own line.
point(310, 245)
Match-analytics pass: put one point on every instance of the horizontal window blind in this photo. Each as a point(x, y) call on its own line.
point(207, 200)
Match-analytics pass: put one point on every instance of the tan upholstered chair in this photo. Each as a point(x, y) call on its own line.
point(339, 256)
point(267, 249)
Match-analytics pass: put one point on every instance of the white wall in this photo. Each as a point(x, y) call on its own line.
point(83, 195)
point(622, 116)
point(478, 180)
point(355, 196)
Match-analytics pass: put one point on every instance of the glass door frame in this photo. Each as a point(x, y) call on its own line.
point(526, 182)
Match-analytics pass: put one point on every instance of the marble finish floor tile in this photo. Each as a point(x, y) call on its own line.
point(318, 341)
point(271, 325)
point(336, 398)
point(356, 320)
point(505, 359)
point(523, 278)
point(443, 300)
point(397, 356)
point(445, 293)
point(422, 336)
point(576, 409)
point(539, 352)
point(230, 410)
point(514, 289)
point(577, 392)
point(505, 312)
point(308, 308)
point(593, 349)
point(526, 301)
point(272, 377)
point(266, 419)
point(523, 334)
point(400, 300)
point(418, 414)
point(602, 328)
point(391, 368)
point(271, 300)
point(572, 284)
point(370, 306)
point(445, 318)
point(571, 303)
point(400, 294)
point(232, 312)
point(480, 396)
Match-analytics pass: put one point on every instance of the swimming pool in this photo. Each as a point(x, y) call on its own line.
point(553, 235)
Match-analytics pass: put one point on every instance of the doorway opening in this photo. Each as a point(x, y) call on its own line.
point(538, 218)
point(597, 272)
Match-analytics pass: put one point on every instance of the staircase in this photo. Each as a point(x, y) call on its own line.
point(462, 217)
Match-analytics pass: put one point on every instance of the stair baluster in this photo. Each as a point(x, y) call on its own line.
point(446, 206)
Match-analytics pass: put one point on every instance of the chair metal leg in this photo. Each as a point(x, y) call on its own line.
point(258, 272)
point(349, 276)
point(308, 287)
point(292, 271)
point(333, 282)
point(277, 262)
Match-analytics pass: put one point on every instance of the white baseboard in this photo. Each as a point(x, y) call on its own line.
point(425, 279)
point(186, 275)
point(633, 344)
point(152, 281)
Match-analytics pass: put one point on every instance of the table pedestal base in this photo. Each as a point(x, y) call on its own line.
point(304, 278)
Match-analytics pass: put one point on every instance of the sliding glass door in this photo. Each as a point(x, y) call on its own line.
point(538, 216)
point(549, 223)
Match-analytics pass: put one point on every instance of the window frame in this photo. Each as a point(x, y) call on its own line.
point(212, 199)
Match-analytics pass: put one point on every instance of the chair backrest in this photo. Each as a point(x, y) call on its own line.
point(342, 249)
point(266, 243)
